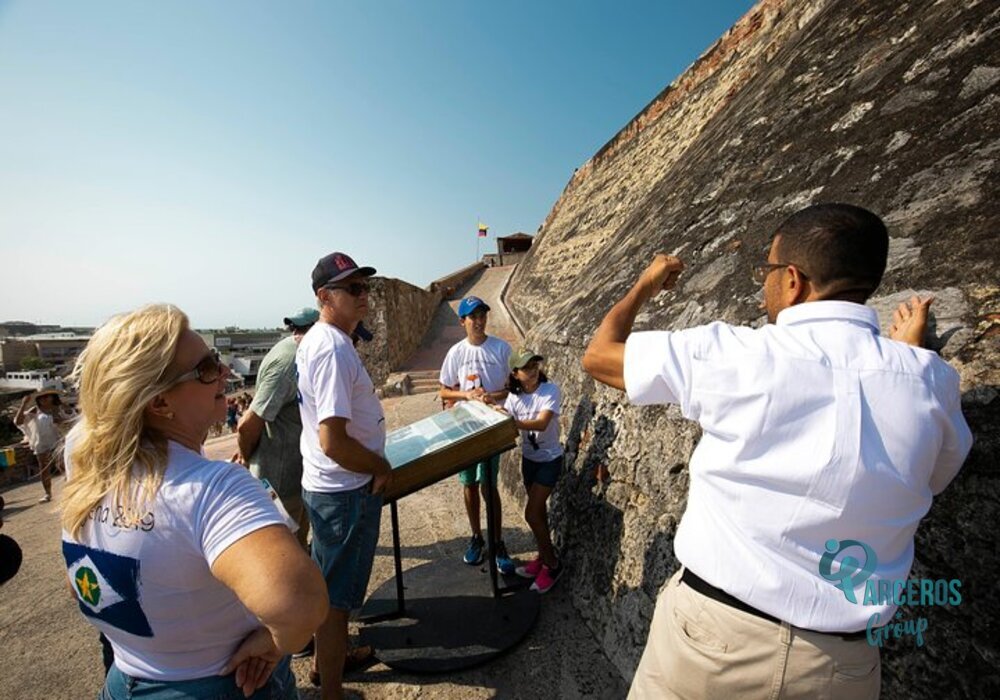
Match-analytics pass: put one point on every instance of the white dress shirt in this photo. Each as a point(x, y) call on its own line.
point(814, 428)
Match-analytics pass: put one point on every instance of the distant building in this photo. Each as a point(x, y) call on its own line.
point(34, 380)
point(59, 350)
point(510, 249)
point(242, 350)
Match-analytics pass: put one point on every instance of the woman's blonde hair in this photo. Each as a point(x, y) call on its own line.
point(119, 372)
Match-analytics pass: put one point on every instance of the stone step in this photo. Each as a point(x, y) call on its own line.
point(424, 389)
point(424, 374)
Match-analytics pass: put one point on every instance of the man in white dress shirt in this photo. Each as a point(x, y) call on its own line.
point(816, 430)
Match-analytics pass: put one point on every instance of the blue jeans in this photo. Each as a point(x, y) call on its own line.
point(121, 686)
point(345, 527)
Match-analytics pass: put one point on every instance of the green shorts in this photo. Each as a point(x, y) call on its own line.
point(474, 475)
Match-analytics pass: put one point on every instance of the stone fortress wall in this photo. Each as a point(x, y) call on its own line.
point(408, 309)
point(891, 105)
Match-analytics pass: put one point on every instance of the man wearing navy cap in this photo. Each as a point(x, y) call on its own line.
point(475, 369)
point(268, 433)
point(344, 470)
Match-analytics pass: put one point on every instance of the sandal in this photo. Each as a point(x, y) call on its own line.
point(358, 659)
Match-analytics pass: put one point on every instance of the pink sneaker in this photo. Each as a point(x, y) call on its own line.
point(546, 579)
point(531, 569)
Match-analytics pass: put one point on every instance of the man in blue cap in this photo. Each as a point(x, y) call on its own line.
point(269, 432)
point(475, 369)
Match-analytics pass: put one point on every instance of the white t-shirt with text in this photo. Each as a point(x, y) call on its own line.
point(149, 587)
point(333, 383)
point(545, 446)
point(469, 366)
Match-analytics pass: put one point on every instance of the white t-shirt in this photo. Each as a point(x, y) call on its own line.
point(814, 428)
point(40, 429)
point(524, 406)
point(150, 588)
point(333, 383)
point(469, 366)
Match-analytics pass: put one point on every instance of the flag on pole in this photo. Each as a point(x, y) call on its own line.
point(483, 228)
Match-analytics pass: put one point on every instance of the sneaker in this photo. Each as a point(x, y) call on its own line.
point(531, 569)
point(505, 564)
point(474, 554)
point(45, 499)
point(546, 579)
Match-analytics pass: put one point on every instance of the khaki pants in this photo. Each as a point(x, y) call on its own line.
point(701, 648)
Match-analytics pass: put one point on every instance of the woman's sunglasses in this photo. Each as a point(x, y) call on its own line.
point(207, 371)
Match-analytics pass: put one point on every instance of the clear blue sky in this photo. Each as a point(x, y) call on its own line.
point(208, 153)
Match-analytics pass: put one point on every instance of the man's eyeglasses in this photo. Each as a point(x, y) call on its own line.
point(207, 371)
point(760, 271)
point(355, 289)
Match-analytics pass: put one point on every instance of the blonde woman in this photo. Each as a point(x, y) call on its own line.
point(182, 562)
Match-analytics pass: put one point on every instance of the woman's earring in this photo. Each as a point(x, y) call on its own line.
point(170, 416)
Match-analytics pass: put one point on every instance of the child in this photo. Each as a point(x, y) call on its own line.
point(533, 402)
point(474, 370)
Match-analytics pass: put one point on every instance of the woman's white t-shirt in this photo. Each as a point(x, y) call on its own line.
point(524, 406)
point(149, 588)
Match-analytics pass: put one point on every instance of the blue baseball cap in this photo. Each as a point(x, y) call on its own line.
point(470, 304)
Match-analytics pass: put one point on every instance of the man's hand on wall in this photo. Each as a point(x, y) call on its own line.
point(909, 321)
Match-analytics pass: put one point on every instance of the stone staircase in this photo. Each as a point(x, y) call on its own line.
point(409, 382)
point(424, 381)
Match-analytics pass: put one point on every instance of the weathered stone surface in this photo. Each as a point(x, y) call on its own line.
point(890, 105)
point(399, 313)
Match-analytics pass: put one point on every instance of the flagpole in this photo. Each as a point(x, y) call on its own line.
point(476, 259)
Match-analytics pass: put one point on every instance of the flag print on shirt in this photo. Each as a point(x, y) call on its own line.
point(107, 587)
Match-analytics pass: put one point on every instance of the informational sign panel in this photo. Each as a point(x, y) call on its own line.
point(441, 445)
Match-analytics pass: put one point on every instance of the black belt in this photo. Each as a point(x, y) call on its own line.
point(695, 582)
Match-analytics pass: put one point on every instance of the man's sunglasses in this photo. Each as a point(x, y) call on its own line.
point(355, 289)
point(207, 371)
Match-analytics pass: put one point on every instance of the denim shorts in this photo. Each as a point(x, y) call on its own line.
point(541, 473)
point(474, 475)
point(345, 527)
point(121, 686)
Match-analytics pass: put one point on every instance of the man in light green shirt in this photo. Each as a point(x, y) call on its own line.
point(268, 433)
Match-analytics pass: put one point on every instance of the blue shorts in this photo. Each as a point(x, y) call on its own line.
point(541, 473)
point(474, 475)
point(345, 527)
point(121, 686)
